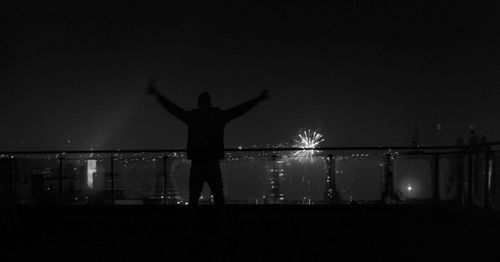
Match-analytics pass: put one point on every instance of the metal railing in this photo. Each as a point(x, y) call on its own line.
point(459, 175)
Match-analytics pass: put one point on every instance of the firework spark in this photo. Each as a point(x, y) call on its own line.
point(307, 141)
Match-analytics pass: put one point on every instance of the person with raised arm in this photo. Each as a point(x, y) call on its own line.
point(205, 145)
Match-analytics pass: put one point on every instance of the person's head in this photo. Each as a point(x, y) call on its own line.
point(204, 101)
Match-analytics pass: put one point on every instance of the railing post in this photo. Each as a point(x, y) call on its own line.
point(435, 178)
point(61, 180)
point(331, 194)
point(388, 193)
point(487, 178)
point(460, 180)
point(470, 176)
point(274, 182)
point(165, 179)
point(275, 188)
point(12, 198)
point(112, 173)
point(460, 173)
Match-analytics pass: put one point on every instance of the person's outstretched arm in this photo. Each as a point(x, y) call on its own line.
point(174, 109)
point(242, 108)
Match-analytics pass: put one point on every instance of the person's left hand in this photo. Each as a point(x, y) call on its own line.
point(152, 85)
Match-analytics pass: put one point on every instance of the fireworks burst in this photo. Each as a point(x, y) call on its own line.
point(307, 141)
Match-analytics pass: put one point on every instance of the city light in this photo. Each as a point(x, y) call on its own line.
point(409, 188)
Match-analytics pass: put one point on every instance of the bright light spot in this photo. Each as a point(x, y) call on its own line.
point(308, 141)
point(91, 170)
point(409, 188)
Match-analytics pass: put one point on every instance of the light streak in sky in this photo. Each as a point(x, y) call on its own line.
point(308, 140)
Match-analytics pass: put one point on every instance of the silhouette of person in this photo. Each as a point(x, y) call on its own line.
point(205, 145)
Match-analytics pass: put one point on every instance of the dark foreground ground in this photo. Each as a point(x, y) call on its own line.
point(254, 233)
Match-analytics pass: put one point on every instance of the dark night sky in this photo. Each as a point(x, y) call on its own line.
point(362, 73)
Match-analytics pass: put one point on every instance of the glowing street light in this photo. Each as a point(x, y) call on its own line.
point(409, 188)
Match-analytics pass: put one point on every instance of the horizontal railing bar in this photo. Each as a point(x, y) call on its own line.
point(354, 148)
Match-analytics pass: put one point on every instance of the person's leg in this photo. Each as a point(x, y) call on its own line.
point(214, 180)
point(196, 181)
point(221, 234)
